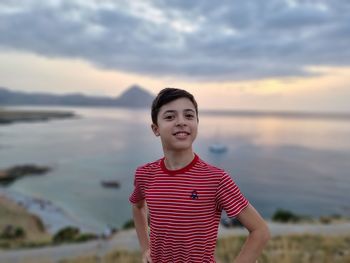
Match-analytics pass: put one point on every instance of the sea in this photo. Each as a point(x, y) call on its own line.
point(298, 162)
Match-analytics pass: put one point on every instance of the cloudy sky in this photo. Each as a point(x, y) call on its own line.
point(269, 55)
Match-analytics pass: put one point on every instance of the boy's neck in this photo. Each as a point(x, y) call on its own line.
point(178, 160)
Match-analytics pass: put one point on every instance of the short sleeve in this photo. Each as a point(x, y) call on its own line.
point(229, 197)
point(137, 195)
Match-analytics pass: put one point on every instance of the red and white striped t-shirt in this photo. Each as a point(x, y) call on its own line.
point(185, 208)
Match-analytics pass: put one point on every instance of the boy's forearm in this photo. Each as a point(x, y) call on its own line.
point(141, 225)
point(253, 246)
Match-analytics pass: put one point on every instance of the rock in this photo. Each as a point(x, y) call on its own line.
point(8, 176)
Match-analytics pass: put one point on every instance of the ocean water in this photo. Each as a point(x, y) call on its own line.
point(299, 164)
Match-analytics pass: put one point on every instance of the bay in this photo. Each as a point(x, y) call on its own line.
point(299, 164)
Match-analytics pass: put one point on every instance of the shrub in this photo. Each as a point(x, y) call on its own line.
point(285, 216)
point(129, 224)
point(12, 232)
point(19, 232)
point(67, 234)
point(86, 237)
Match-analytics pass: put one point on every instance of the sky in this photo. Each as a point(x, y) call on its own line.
point(250, 55)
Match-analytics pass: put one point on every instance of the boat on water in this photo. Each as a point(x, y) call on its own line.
point(110, 183)
point(218, 148)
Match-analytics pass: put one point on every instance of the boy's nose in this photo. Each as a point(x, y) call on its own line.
point(180, 122)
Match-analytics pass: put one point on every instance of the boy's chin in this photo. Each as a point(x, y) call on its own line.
point(177, 145)
point(180, 148)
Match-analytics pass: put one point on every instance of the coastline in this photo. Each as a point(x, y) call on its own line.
point(52, 216)
point(55, 218)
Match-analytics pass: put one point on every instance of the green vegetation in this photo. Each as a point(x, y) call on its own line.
point(12, 232)
point(12, 237)
point(129, 224)
point(19, 229)
point(71, 235)
point(285, 216)
point(68, 234)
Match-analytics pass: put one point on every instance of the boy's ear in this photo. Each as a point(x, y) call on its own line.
point(155, 129)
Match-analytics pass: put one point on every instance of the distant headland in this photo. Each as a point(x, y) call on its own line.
point(134, 97)
point(9, 175)
point(12, 116)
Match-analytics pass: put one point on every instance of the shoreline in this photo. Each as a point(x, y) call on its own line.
point(52, 216)
point(55, 218)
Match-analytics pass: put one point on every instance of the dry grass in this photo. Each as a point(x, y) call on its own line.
point(292, 249)
point(283, 249)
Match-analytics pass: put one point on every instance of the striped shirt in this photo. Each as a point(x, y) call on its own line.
point(185, 208)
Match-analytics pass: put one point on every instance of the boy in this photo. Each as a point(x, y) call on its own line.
point(184, 195)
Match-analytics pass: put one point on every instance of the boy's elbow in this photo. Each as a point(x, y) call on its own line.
point(139, 205)
point(265, 235)
point(262, 234)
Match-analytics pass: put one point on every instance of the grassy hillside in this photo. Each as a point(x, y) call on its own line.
point(16, 216)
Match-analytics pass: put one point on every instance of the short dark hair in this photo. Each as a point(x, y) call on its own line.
point(168, 95)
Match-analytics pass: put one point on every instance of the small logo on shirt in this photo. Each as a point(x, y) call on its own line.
point(194, 194)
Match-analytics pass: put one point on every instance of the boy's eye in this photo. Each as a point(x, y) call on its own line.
point(169, 117)
point(189, 116)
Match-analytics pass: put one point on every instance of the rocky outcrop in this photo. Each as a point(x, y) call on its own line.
point(8, 176)
point(11, 116)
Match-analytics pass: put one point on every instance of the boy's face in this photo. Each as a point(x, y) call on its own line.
point(177, 125)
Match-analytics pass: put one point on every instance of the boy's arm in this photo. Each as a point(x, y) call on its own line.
point(259, 235)
point(141, 225)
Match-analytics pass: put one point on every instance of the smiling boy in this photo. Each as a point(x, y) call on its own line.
point(185, 196)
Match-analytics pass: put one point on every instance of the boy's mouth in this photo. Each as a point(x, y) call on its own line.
point(181, 134)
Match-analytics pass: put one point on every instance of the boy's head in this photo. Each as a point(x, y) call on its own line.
point(168, 95)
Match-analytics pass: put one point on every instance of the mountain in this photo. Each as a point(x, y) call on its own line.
point(134, 97)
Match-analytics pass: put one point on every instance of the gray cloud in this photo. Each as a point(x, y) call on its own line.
point(201, 40)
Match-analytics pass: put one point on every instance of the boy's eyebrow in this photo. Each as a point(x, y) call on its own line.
point(169, 111)
point(174, 111)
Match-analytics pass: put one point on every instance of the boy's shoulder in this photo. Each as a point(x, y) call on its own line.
point(205, 166)
point(149, 166)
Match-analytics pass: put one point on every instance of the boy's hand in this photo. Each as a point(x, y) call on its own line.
point(146, 256)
